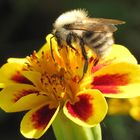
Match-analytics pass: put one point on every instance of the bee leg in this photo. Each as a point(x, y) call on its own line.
point(84, 53)
point(51, 48)
point(58, 39)
point(69, 39)
point(96, 61)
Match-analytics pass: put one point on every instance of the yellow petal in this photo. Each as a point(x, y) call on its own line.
point(134, 101)
point(118, 106)
point(46, 46)
point(36, 122)
point(135, 113)
point(11, 73)
point(85, 83)
point(118, 54)
point(89, 110)
point(19, 97)
point(33, 76)
point(17, 60)
point(120, 80)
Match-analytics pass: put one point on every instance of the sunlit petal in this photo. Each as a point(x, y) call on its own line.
point(11, 73)
point(19, 97)
point(88, 110)
point(36, 122)
point(33, 76)
point(118, 54)
point(119, 80)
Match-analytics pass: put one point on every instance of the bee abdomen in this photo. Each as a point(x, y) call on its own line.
point(99, 42)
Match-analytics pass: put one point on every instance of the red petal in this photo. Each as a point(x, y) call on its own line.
point(108, 83)
point(36, 122)
point(83, 109)
point(23, 93)
point(18, 78)
point(42, 117)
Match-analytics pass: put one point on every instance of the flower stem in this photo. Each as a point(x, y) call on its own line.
point(97, 132)
point(65, 129)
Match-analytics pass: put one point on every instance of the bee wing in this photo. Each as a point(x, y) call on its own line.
point(95, 25)
point(103, 21)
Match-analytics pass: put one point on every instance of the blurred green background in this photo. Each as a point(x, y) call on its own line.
point(23, 27)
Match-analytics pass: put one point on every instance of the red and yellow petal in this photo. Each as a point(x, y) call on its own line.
point(119, 80)
point(11, 73)
point(36, 122)
point(88, 110)
point(118, 54)
point(20, 97)
point(33, 76)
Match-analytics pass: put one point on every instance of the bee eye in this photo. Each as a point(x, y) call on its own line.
point(88, 34)
point(66, 26)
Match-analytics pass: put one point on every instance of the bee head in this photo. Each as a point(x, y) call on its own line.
point(70, 17)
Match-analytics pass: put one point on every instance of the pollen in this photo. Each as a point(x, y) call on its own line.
point(52, 82)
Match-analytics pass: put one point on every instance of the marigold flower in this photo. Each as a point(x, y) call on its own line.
point(44, 86)
point(125, 107)
point(52, 80)
point(117, 75)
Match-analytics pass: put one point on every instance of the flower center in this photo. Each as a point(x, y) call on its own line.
point(60, 74)
point(54, 79)
point(53, 86)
